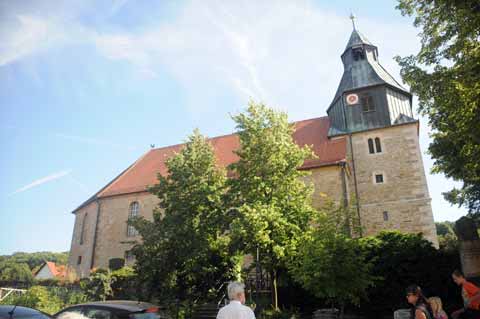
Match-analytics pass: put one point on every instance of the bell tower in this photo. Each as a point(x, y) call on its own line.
point(374, 112)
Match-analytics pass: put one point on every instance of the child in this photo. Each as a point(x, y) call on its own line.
point(436, 305)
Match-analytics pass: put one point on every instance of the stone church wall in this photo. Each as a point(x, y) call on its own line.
point(402, 201)
point(83, 250)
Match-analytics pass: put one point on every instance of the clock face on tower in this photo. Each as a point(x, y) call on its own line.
point(352, 99)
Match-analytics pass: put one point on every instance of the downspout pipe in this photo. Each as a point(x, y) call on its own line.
point(95, 235)
point(357, 199)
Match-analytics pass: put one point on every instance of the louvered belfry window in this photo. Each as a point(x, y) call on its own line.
point(367, 103)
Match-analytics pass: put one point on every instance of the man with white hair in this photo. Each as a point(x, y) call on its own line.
point(236, 309)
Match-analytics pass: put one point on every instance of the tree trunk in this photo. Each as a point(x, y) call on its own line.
point(275, 291)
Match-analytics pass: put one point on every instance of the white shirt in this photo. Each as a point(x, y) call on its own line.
point(235, 310)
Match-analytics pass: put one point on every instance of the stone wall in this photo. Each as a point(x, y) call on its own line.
point(402, 201)
point(83, 250)
point(327, 182)
point(112, 240)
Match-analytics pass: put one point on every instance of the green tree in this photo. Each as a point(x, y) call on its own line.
point(98, 286)
point(35, 260)
point(184, 253)
point(272, 202)
point(329, 263)
point(445, 74)
point(400, 260)
point(15, 272)
point(446, 236)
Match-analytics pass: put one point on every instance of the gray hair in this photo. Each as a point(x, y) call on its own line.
point(234, 288)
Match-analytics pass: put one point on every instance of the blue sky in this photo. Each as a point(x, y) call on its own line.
point(87, 86)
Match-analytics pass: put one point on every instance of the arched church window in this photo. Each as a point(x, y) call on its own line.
point(82, 230)
point(371, 150)
point(378, 145)
point(367, 103)
point(133, 212)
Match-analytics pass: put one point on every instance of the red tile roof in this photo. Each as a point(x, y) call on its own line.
point(58, 271)
point(144, 171)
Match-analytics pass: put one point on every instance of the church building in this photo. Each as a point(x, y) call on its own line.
point(367, 149)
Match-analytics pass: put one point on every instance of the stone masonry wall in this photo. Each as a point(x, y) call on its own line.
point(327, 182)
point(83, 250)
point(112, 240)
point(402, 201)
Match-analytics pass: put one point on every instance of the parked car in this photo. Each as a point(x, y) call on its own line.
point(18, 312)
point(116, 309)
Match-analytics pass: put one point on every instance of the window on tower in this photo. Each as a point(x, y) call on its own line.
point(374, 145)
point(358, 54)
point(367, 103)
point(378, 145)
point(371, 150)
point(379, 178)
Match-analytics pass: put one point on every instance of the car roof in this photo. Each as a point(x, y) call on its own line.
point(19, 311)
point(126, 305)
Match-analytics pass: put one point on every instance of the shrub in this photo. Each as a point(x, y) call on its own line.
point(37, 297)
point(403, 259)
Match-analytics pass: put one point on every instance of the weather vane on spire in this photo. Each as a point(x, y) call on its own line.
point(352, 17)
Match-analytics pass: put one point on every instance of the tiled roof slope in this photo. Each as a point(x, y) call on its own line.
point(144, 171)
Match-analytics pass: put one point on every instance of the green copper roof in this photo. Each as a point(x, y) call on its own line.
point(356, 38)
point(365, 72)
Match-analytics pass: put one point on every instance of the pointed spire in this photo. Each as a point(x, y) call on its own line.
point(356, 38)
point(352, 17)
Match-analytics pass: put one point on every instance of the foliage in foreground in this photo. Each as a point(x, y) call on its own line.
point(445, 75)
point(184, 252)
point(273, 202)
point(329, 262)
point(46, 299)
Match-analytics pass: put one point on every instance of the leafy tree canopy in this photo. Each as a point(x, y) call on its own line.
point(445, 75)
point(185, 249)
point(273, 202)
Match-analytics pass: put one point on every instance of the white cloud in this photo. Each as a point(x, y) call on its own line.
point(42, 180)
point(286, 54)
point(30, 35)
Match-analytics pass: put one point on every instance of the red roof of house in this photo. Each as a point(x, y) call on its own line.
point(56, 270)
point(144, 171)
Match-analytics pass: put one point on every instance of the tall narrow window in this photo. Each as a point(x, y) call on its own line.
point(367, 103)
point(133, 212)
point(79, 260)
point(378, 145)
point(82, 230)
point(385, 216)
point(371, 150)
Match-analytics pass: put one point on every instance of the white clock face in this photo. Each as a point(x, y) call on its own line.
point(352, 99)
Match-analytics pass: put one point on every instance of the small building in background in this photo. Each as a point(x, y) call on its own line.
point(49, 270)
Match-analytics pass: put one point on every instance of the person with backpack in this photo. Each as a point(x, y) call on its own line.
point(420, 307)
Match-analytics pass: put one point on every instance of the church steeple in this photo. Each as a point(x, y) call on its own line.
point(370, 88)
